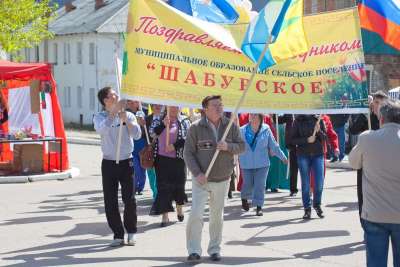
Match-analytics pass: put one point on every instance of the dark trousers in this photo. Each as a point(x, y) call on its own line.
point(293, 170)
point(113, 174)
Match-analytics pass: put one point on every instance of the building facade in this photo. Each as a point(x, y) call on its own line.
point(87, 45)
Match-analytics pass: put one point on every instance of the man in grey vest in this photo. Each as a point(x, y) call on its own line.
point(377, 153)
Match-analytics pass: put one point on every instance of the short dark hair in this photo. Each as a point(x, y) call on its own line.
point(207, 99)
point(102, 94)
point(390, 111)
point(380, 95)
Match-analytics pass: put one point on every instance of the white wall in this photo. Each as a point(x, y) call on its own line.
point(85, 76)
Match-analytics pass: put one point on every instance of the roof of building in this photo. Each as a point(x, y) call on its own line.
point(111, 18)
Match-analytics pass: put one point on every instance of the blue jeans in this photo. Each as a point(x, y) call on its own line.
point(254, 185)
point(376, 238)
point(342, 141)
point(316, 165)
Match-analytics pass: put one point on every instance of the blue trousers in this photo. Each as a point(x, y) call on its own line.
point(254, 185)
point(316, 165)
point(342, 141)
point(376, 238)
point(140, 173)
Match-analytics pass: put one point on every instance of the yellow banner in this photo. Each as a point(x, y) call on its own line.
point(175, 59)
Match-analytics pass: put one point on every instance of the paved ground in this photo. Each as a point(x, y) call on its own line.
point(62, 223)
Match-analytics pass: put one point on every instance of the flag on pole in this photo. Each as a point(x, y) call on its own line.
point(383, 18)
point(281, 23)
point(216, 11)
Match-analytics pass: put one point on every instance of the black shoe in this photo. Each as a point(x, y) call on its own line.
point(215, 257)
point(293, 194)
point(275, 190)
point(194, 257)
point(245, 205)
point(334, 159)
point(180, 217)
point(319, 211)
point(164, 224)
point(259, 211)
point(307, 214)
point(140, 193)
point(230, 194)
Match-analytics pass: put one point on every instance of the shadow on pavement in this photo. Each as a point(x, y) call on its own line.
point(39, 219)
point(332, 251)
point(344, 206)
point(63, 253)
point(261, 240)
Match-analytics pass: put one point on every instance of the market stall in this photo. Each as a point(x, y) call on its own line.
point(32, 136)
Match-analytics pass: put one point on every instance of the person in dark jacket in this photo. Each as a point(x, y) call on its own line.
point(293, 167)
point(338, 122)
point(310, 157)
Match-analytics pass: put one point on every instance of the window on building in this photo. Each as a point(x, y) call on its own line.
point(69, 53)
point(65, 53)
point(27, 54)
point(91, 53)
point(79, 53)
point(92, 98)
point(37, 58)
point(314, 6)
point(55, 53)
point(79, 94)
point(46, 51)
point(69, 96)
point(344, 4)
point(64, 96)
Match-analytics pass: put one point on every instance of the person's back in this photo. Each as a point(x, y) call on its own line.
point(381, 173)
point(377, 154)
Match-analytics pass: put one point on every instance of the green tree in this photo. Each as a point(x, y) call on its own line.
point(23, 23)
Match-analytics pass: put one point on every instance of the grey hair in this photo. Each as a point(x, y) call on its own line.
point(390, 111)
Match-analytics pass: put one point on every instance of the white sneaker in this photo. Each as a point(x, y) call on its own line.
point(117, 242)
point(131, 240)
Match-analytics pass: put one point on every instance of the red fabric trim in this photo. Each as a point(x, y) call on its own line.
point(373, 21)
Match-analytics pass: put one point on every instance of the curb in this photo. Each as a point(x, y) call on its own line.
point(71, 173)
point(83, 141)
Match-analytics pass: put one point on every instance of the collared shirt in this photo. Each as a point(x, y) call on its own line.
point(108, 128)
point(215, 129)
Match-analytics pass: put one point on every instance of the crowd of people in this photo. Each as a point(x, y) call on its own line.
point(266, 152)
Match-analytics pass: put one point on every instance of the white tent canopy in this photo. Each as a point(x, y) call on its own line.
point(395, 93)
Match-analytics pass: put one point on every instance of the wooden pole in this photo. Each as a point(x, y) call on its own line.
point(277, 128)
point(240, 102)
point(167, 130)
point(120, 121)
point(369, 119)
point(145, 126)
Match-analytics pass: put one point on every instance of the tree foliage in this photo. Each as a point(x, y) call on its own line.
point(23, 23)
